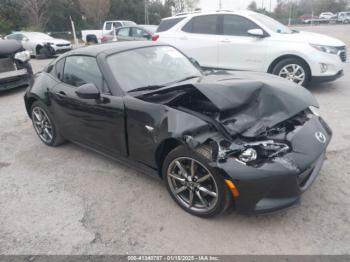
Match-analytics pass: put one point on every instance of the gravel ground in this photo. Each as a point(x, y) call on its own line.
point(68, 200)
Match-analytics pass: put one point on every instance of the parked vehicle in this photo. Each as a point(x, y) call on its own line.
point(307, 19)
point(95, 36)
point(344, 17)
point(130, 33)
point(246, 40)
point(326, 15)
point(251, 138)
point(41, 45)
point(15, 69)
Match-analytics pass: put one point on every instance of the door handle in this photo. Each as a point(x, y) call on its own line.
point(225, 41)
point(61, 93)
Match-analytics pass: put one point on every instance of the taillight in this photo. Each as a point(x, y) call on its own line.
point(155, 37)
point(104, 39)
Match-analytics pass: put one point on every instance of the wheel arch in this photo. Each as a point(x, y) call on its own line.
point(37, 48)
point(163, 149)
point(282, 57)
point(29, 102)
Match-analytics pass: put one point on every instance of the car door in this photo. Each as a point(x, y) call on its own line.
point(198, 39)
point(97, 123)
point(238, 49)
point(123, 34)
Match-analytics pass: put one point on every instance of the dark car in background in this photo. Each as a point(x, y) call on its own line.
point(216, 140)
point(130, 33)
point(15, 69)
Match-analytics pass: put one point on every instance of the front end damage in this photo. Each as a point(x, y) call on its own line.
point(268, 140)
point(15, 69)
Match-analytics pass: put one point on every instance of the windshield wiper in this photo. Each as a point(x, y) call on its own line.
point(186, 78)
point(146, 88)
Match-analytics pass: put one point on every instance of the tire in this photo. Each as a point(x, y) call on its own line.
point(289, 63)
point(44, 53)
point(56, 137)
point(203, 205)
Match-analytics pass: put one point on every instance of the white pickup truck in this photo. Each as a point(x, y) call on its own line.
point(95, 36)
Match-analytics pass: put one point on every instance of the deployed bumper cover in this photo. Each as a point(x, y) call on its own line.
point(13, 79)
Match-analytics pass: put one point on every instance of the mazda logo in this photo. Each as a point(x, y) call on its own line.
point(320, 137)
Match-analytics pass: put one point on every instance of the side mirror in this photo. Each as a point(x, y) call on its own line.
point(256, 32)
point(88, 91)
point(195, 62)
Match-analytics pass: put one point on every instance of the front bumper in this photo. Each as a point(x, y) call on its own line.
point(13, 79)
point(279, 183)
point(333, 63)
point(321, 79)
point(60, 50)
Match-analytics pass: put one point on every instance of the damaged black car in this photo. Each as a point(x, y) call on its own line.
point(15, 69)
point(246, 140)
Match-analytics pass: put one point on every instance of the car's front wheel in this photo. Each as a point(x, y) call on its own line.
point(44, 125)
point(194, 184)
point(294, 70)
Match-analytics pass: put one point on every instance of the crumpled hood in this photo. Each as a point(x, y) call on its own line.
point(8, 47)
point(252, 102)
point(245, 103)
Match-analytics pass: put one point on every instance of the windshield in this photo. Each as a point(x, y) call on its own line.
point(150, 66)
point(272, 24)
point(37, 36)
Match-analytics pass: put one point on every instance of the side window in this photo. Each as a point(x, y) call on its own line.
point(17, 37)
point(168, 23)
point(108, 26)
point(80, 70)
point(237, 25)
point(206, 24)
point(59, 69)
point(10, 37)
point(117, 24)
point(123, 32)
point(137, 32)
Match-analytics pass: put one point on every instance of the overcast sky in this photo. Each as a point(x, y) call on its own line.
point(234, 4)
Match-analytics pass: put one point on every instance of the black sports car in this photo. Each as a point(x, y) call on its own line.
point(248, 140)
point(15, 69)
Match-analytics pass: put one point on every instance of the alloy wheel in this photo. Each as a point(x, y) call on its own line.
point(192, 184)
point(294, 73)
point(42, 124)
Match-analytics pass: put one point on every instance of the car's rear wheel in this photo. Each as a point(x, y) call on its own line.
point(44, 125)
point(193, 184)
point(294, 70)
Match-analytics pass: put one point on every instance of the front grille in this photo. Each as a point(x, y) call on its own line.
point(60, 45)
point(6, 65)
point(342, 53)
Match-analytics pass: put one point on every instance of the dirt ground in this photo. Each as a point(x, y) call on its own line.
point(68, 200)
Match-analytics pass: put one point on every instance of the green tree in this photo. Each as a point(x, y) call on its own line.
point(252, 6)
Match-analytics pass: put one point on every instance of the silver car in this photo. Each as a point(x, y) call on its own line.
point(40, 44)
point(130, 33)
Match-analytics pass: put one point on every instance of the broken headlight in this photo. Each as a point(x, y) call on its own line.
point(23, 56)
point(256, 151)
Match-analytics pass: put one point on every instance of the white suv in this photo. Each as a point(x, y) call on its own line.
point(246, 40)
